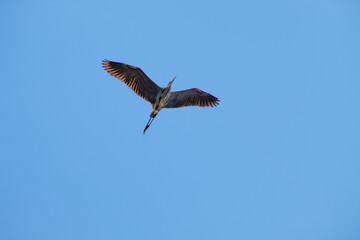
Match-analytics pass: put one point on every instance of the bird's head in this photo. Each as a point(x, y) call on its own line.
point(171, 82)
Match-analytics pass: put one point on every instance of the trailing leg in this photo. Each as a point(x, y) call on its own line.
point(152, 116)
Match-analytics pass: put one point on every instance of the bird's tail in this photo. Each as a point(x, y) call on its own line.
point(149, 123)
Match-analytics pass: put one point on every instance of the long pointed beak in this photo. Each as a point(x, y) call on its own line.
point(173, 80)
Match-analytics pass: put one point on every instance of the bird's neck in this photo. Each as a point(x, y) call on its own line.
point(166, 91)
point(163, 97)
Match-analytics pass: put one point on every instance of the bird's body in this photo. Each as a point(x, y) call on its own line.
point(158, 97)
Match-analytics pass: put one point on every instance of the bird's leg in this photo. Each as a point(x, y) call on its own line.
point(149, 123)
point(152, 116)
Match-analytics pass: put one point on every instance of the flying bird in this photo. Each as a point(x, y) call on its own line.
point(158, 97)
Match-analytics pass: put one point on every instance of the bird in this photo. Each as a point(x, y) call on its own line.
point(158, 97)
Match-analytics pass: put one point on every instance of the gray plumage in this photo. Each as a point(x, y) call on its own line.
point(158, 97)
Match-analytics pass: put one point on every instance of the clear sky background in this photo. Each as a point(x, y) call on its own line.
point(279, 158)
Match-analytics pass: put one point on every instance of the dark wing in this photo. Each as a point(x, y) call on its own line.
point(191, 97)
point(134, 78)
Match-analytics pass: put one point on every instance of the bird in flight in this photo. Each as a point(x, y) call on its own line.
point(158, 97)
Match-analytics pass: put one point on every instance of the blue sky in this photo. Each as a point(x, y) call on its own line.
point(279, 158)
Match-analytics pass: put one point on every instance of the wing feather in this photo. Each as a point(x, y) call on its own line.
point(134, 78)
point(191, 97)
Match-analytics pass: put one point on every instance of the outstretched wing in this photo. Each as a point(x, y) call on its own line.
point(191, 97)
point(134, 78)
